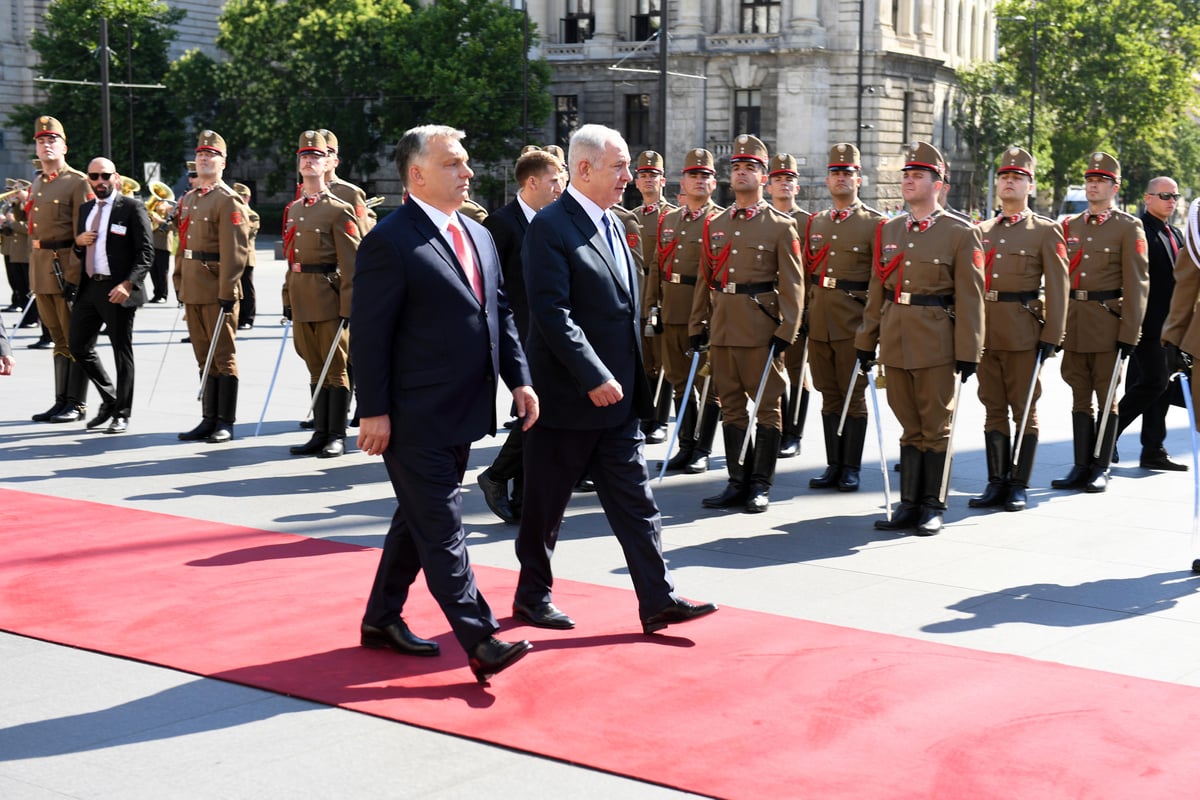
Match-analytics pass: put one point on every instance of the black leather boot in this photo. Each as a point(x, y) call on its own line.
point(789, 443)
point(833, 454)
point(1097, 478)
point(932, 505)
point(735, 491)
point(1083, 427)
point(854, 433)
point(762, 471)
point(686, 414)
point(62, 367)
point(320, 428)
point(909, 509)
point(339, 405)
point(710, 415)
point(227, 392)
point(1019, 482)
point(75, 408)
point(998, 450)
point(208, 421)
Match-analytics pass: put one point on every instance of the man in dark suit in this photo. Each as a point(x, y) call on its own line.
point(585, 355)
point(431, 332)
point(114, 241)
point(540, 175)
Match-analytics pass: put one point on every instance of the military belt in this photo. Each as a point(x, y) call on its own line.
point(841, 283)
point(748, 288)
point(200, 255)
point(686, 280)
point(52, 244)
point(1010, 297)
point(1106, 294)
point(909, 299)
point(317, 268)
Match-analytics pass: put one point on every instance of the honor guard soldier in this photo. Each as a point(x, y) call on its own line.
point(672, 288)
point(320, 240)
point(18, 252)
point(783, 178)
point(214, 248)
point(1109, 286)
point(54, 269)
point(925, 312)
point(839, 252)
point(345, 190)
point(248, 306)
point(1181, 330)
point(752, 314)
point(1023, 253)
point(651, 180)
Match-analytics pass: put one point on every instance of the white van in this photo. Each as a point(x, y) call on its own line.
point(1074, 202)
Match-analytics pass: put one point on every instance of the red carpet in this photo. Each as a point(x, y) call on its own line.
point(741, 704)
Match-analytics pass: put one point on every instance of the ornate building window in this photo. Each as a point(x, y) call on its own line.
point(760, 16)
point(566, 118)
point(646, 19)
point(637, 119)
point(579, 23)
point(747, 112)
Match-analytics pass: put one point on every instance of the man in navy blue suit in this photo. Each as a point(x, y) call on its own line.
point(431, 333)
point(584, 351)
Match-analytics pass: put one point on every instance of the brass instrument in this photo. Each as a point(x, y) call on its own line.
point(15, 186)
point(372, 202)
point(160, 202)
point(129, 187)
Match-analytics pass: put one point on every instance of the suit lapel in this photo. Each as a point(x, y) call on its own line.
point(430, 232)
point(595, 239)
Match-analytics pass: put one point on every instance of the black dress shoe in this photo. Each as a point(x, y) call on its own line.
point(397, 637)
point(495, 494)
point(680, 610)
point(492, 656)
point(102, 416)
point(543, 615)
point(656, 434)
point(1158, 460)
point(585, 485)
point(71, 412)
point(118, 425)
point(41, 344)
point(245, 326)
point(334, 446)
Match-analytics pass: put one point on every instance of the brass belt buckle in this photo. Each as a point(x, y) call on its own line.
point(673, 279)
point(729, 288)
point(187, 254)
point(904, 298)
point(1079, 294)
point(992, 295)
point(828, 282)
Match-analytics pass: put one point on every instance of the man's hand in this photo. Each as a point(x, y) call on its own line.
point(1045, 350)
point(287, 312)
point(69, 290)
point(778, 345)
point(374, 433)
point(866, 359)
point(85, 239)
point(527, 406)
point(6, 365)
point(227, 305)
point(1125, 349)
point(606, 394)
point(699, 342)
point(119, 294)
point(965, 369)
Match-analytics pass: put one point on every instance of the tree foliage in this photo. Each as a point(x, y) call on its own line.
point(365, 69)
point(988, 120)
point(140, 33)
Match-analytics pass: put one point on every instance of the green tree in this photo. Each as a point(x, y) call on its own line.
point(140, 33)
point(989, 118)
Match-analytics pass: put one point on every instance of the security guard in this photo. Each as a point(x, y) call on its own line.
point(1023, 253)
point(783, 178)
point(672, 287)
point(320, 240)
point(54, 269)
point(345, 190)
point(1109, 286)
point(839, 251)
point(248, 307)
point(214, 248)
point(925, 312)
point(751, 314)
point(651, 180)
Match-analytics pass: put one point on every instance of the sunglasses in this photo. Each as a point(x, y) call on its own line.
point(100, 176)
point(1166, 195)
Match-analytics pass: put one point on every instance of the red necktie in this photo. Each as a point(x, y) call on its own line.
point(466, 259)
point(90, 258)
point(1174, 245)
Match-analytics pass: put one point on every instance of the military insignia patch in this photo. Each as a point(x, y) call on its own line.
point(1061, 249)
point(1141, 247)
point(633, 240)
point(888, 249)
point(1072, 240)
point(351, 228)
point(716, 237)
point(360, 211)
point(796, 246)
point(236, 218)
point(977, 256)
point(667, 235)
point(816, 238)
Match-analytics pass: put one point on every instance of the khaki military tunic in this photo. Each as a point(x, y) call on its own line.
point(795, 354)
point(649, 217)
point(751, 266)
point(19, 249)
point(53, 211)
point(357, 198)
point(1109, 285)
point(1182, 327)
point(1021, 258)
point(839, 250)
point(320, 242)
point(925, 311)
point(252, 239)
point(214, 248)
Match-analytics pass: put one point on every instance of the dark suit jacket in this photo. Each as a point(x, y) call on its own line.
point(507, 226)
point(131, 252)
point(425, 351)
point(1162, 274)
point(583, 324)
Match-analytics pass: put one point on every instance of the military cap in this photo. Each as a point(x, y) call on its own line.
point(749, 148)
point(243, 190)
point(312, 142)
point(49, 126)
point(555, 151)
point(211, 142)
point(37, 164)
point(331, 142)
point(1016, 159)
point(783, 164)
point(923, 155)
point(191, 168)
point(1104, 165)
point(650, 161)
point(529, 148)
point(845, 157)
point(699, 160)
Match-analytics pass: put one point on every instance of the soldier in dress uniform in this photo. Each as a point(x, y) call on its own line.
point(54, 269)
point(1181, 330)
point(650, 179)
point(248, 306)
point(1022, 253)
point(783, 178)
point(343, 189)
point(1109, 287)
point(671, 287)
point(751, 314)
point(17, 252)
point(320, 240)
point(839, 251)
point(214, 248)
point(925, 312)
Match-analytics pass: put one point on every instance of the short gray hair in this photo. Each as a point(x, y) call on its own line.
point(415, 143)
point(588, 143)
